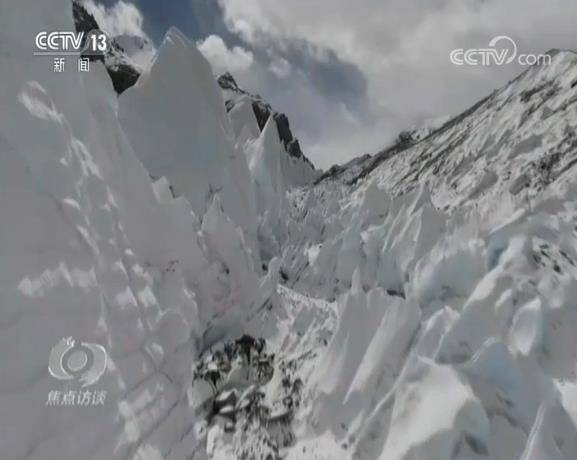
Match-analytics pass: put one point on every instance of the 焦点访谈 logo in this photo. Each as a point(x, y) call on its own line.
point(82, 361)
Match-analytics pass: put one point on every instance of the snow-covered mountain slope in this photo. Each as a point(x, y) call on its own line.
point(517, 141)
point(455, 282)
point(417, 304)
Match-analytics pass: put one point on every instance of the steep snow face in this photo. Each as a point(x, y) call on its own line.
point(266, 159)
point(176, 121)
point(92, 249)
point(244, 122)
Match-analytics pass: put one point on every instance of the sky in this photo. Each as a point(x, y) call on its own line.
point(351, 75)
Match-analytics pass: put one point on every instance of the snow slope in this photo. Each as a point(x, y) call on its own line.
point(415, 304)
point(453, 261)
point(517, 141)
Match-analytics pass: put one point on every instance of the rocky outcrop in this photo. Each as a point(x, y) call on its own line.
point(83, 20)
point(123, 77)
point(122, 73)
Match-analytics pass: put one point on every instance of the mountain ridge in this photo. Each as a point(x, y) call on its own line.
point(262, 111)
point(526, 97)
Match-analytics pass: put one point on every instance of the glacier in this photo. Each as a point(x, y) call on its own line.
point(419, 303)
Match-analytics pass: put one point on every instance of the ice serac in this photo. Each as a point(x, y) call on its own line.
point(265, 156)
point(275, 160)
point(175, 119)
point(92, 249)
point(296, 167)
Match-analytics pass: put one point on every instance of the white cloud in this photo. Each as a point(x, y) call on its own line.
point(280, 67)
point(224, 59)
point(121, 18)
point(124, 22)
point(402, 47)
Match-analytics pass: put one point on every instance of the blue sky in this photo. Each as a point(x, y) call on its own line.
point(351, 75)
point(196, 18)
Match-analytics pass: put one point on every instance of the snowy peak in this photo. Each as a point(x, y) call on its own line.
point(234, 95)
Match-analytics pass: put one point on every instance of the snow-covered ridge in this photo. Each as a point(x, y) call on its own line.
point(302, 171)
point(517, 141)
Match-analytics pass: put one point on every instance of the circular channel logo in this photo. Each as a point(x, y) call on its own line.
point(82, 361)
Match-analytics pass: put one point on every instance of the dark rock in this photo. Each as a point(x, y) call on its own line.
point(261, 112)
point(228, 398)
point(122, 74)
point(405, 137)
point(213, 376)
point(83, 20)
point(86, 23)
point(123, 77)
point(291, 144)
point(227, 81)
point(294, 149)
point(246, 343)
point(283, 126)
